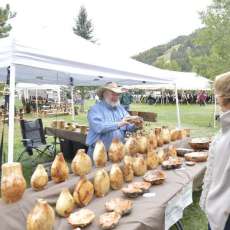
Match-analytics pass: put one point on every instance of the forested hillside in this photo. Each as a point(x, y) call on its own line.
point(175, 55)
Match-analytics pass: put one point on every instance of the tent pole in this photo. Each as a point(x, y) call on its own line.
point(72, 104)
point(11, 115)
point(36, 92)
point(161, 96)
point(214, 115)
point(177, 109)
point(59, 96)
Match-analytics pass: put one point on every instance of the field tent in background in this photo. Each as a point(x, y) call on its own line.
point(183, 81)
point(29, 89)
point(180, 81)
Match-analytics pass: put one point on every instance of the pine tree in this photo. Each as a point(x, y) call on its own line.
point(83, 26)
point(5, 15)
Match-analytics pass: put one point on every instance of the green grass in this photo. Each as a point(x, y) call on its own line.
point(194, 218)
point(199, 119)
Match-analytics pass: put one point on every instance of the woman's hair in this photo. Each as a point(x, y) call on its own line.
point(222, 87)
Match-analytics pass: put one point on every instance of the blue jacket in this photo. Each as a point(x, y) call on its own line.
point(103, 124)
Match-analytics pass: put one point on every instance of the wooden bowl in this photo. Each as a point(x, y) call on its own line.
point(155, 177)
point(199, 143)
point(196, 156)
point(182, 151)
point(172, 163)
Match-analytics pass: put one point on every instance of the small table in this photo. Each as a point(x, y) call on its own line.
point(72, 140)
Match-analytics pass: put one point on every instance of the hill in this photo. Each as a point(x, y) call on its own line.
point(174, 55)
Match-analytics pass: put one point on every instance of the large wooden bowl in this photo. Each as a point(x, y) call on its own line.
point(199, 143)
point(196, 156)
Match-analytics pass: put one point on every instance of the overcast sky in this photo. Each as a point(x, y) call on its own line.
point(124, 26)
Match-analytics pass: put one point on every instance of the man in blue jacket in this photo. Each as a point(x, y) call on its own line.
point(107, 118)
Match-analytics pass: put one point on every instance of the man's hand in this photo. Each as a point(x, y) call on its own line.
point(140, 124)
point(123, 122)
point(136, 120)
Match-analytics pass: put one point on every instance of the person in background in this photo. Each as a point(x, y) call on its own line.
point(97, 99)
point(107, 118)
point(126, 99)
point(215, 198)
point(201, 98)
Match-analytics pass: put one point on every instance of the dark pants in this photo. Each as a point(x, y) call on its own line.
point(227, 225)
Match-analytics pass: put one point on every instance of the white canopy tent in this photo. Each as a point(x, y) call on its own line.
point(41, 87)
point(182, 80)
point(27, 87)
point(43, 57)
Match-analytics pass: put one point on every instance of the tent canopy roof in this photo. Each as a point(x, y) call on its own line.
point(185, 81)
point(31, 86)
point(42, 56)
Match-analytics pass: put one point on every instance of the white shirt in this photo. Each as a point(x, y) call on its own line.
point(215, 198)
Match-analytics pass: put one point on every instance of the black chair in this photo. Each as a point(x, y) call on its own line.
point(34, 139)
point(179, 225)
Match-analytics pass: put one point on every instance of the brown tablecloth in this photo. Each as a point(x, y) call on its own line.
point(147, 213)
point(65, 134)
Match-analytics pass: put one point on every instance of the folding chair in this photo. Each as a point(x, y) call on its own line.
point(34, 139)
point(179, 225)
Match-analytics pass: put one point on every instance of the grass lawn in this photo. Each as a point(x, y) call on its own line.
point(198, 119)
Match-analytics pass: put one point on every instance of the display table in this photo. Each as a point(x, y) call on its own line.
point(65, 134)
point(157, 213)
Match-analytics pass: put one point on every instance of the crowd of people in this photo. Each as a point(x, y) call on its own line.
point(169, 97)
point(185, 97)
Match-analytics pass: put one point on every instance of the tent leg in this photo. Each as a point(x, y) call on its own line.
point(177, 109)
point(59, 96)
point(36, 90)
point(214, 115)
point(72, 103)
point(11, 115)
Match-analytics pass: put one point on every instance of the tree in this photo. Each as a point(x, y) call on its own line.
point(169, 64)
point(83, 26)
point(83, 90)
point(5, 15)
point(215, 36)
